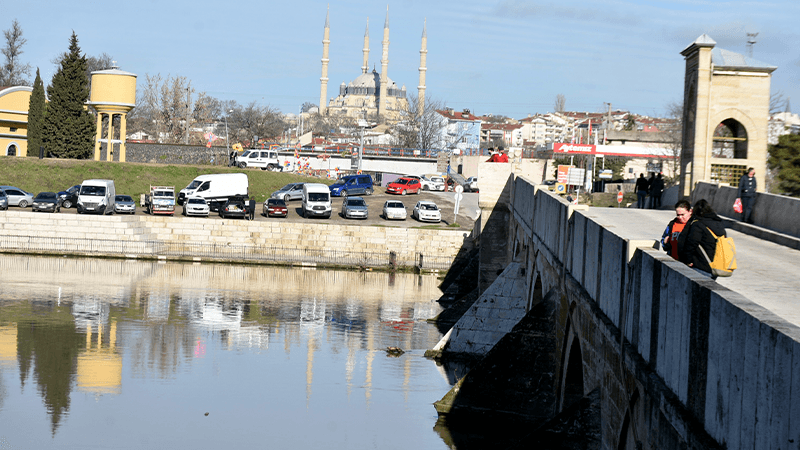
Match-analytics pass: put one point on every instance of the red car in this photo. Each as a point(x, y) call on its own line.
point(275, 207)
point(403, 186)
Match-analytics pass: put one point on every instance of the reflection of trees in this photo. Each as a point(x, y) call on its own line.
point(50, 345)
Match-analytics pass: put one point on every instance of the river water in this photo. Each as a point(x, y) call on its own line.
point(131, 354)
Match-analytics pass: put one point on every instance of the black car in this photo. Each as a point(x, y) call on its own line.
point(235, 207)
point(46, 201)
point(69, 198)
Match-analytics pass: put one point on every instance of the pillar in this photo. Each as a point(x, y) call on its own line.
point(109, 144)
point(98, 133)
point(122, 136)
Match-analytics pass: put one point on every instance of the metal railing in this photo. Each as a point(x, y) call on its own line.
point(260, 254)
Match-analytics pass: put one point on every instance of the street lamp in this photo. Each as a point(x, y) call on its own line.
point(227, 142)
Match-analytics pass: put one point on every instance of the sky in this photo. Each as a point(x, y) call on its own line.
point(507, 57)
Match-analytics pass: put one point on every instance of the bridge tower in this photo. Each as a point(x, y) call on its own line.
point(113, 94)
point(725, 114)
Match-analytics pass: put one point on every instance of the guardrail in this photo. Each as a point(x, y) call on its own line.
point(255, 254)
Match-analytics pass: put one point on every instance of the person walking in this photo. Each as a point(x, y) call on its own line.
point(747, 194)
point(641, 190)
point(656, 189)
point(673, 240)
point(698, 236)
point(251, 206)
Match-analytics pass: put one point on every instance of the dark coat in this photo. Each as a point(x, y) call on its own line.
point(657, 187)
point(747, 186)
point(697, 235)
point(642, 185)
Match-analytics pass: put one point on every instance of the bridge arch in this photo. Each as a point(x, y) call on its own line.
point(572, 383)
point(628, 433)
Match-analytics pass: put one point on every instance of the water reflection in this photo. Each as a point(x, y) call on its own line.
point(105, 338)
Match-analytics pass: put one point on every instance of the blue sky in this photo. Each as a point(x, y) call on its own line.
point(509, 57)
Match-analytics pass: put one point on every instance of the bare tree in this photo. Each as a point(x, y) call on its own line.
point(250, 123)
point(13, 72)
point(674, 133)
point(325, 124)
point(420, 127)
point(777, 102)
point(561, 103)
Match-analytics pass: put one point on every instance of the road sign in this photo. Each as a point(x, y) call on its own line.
point(458, 196)
point(619, 197)
point(605, 174)
point(458, 190)
point(561, 188)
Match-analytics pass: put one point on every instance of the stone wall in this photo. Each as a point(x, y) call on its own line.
point(174, 154)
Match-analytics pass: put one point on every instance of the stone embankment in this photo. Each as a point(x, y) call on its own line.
point(235, 240)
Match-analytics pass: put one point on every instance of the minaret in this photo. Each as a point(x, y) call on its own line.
point(326, 40)
point(423, 57)
point(365, 66)
point(384, 69)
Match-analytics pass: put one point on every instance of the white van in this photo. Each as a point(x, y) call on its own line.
point(316, 200)
point(96, 197)
point(265, 159)
point(216, 188)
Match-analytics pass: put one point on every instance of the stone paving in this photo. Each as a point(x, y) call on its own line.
point(768, 274)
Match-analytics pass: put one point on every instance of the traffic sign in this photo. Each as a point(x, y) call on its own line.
point(458, 189)
point(619, 197)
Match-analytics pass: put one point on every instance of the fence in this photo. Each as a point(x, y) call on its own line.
point(257, 254)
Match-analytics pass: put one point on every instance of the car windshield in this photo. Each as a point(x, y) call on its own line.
point(197, 201)
point(338, 183)
point(288, 187)
point(428, 206)
point(317, 197)
point(46, 196)
point(395, 205)
point(275, 202)
point(164, 194)
point(98, 191)
point(247, 153)
point(123, 198)
point(358, 202)
point(402, 181)
point(194, 184)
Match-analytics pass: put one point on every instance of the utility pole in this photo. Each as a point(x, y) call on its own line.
point(188, 100)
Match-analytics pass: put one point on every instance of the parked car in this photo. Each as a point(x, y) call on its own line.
point(69, 198)
point(275, 207)
point(17, 197)
point(354, 208)
point(403, 186)
point(393, 209)
point(234, 207)
point(352, 185)
point(46, 201)
point(292, 191)
point(196, 206)
point(432, 183)
point(124, 204)
point(3, 200)
point(425, 211)
point(316, 200)
point(471, 184)
point(550, 185)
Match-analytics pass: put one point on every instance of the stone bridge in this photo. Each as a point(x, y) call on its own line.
point(582, 334)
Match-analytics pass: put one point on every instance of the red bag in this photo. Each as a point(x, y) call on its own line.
point(737, 206)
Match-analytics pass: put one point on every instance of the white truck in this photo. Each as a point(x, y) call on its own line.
point(97, 197)
point(216, 188)
point(316, 200)
point(160, 200)
point(265, 159)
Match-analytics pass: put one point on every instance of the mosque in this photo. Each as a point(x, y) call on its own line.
point(373, 93)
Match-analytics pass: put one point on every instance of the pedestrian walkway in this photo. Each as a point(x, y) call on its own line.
point(768, 274)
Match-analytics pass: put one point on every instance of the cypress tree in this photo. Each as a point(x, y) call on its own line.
point(68, 126)
point(36, 111)
point(785, 156)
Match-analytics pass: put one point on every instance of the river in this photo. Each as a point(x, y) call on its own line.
point(102, 353)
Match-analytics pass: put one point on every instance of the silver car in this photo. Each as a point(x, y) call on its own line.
point(124, 204)
point(3, 200)
point(17, 197)
point(393, 209)
point(195, 206)
point(292, 191)
point(354, 208)
point(427, 212)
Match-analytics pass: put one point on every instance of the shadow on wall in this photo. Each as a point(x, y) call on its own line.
point(495, 251)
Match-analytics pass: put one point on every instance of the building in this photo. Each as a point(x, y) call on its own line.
point(372, 93)
point(14, 103)
point(459, 130)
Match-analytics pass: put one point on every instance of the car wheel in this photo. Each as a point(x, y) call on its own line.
point(425, 188)
point(242, 165)
point(286, 198)
point(368, 191)
point(68, 204)
point(23, 203)
point(344, 193)
point(403, 193)
point(271, 167)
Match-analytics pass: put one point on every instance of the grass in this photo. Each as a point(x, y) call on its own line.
point(39, 175)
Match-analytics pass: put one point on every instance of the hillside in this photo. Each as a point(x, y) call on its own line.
point(37, 175)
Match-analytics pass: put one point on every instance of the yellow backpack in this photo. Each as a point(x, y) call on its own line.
point(724, 262)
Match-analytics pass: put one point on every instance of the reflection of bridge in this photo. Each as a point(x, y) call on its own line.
point(636, 347)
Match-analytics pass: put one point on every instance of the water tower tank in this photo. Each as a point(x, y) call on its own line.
point(113, 87)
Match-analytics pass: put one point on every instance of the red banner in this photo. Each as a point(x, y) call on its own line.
point(574, 148)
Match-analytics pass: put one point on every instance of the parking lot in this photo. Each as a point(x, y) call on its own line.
point(445, 201)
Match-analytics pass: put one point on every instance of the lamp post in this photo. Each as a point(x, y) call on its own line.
point(227, 141)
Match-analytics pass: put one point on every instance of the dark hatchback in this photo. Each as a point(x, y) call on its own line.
point(275, 207)
point(46, 201)
point(234, 207)
point(69, 198)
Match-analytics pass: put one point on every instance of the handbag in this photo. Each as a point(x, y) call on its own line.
point(737, 206)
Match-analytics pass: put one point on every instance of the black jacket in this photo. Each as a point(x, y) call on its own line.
point(747, 186)
point(697, 235)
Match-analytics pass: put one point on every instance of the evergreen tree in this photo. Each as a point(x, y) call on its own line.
point(785, 156)
point(36, 111)
point(68, 126)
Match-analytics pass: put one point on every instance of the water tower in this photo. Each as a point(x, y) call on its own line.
point(113, 93)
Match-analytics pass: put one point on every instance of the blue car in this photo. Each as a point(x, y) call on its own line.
point(352, 185)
